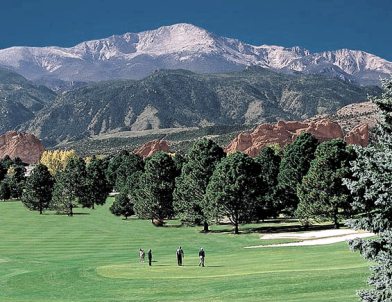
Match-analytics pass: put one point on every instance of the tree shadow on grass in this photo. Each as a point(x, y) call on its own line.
point(65, 214)
point(287, 229)
point(275, 229)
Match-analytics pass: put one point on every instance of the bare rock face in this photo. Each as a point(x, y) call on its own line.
point(23, 145)
point(151, 147)
point(283, 133)
point(359, 135)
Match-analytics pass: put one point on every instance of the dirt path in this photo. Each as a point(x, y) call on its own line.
point(313, 237)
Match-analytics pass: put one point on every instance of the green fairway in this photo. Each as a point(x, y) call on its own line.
point(93, 256)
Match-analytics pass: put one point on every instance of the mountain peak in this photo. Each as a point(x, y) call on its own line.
point(174, 38)
point(183, 46)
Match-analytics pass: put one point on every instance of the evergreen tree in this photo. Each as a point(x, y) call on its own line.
point(70, 188)
point(120, 167)
point(3, 171)
point(371, 187)
point(154, 193)
point(179, 161)
point(97, 185)
point(192, 183)
point(294, 165)
point(38, 189)
point(122, 206)
point(7, 162)
point(16, 178)
point(269, 163)
point(233, 189)
point(5, 192)
point(322, 194)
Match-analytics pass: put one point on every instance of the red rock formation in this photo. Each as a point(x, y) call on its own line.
point(284, 133)
point(19, 144)
point(359, 135)
point(151, 147)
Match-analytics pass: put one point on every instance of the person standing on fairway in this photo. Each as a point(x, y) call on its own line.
point(180, 255)
point(149, 255)
point(141, 255)
point(202, 255)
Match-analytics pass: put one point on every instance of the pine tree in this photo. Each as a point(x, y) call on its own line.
point(233, 189)
point(38, 189)
point(153, 197)
point(294, 165)
point(5, 192)
point(192, 183)
point(7, 162)
point(322, 194)
point(70, 187)
point(97, 185)
point(371, 187)
point(3, 171)
point(269, 163)
point(16, 178)
point(122, 206)
point(122, 166)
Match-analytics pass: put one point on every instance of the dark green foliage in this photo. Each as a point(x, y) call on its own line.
point(294, 165)
point(3, 171)
point(16, 178)
point(322, 194)
point(371, 187)
point(233, 189)
point(38, 189)
point(269, 163)
point(5, 192)
point(7, 162)
point(121, 166)
point(189, 99)
point(192, 183)
point(122, 206)
point(98, 187)
point(179, 161)
point(153, 197)
point(70, 188)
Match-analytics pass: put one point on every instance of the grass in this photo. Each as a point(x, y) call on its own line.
point(94, 257)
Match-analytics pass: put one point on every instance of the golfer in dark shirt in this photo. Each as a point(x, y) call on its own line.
point(202, 255)
point(180, 255)
point(149, 255)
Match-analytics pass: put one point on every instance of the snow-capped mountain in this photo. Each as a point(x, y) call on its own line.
point(183, 46)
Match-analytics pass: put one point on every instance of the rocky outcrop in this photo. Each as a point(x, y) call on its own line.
point(23, 145)
point(359, 135)
point(284, 133)
point(151, 147)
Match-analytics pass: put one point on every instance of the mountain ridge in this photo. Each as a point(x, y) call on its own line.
point(180, 98)
point(184, 46)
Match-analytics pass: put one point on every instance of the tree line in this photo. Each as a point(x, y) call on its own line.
point(307, 179)
point(303, 180)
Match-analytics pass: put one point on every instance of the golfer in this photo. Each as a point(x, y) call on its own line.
point(202, 255)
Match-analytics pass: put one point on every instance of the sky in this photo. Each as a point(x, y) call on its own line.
point(313, 24)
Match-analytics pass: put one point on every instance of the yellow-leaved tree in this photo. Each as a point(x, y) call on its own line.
point(56, 160)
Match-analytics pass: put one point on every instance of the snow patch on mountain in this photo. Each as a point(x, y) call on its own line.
point(136, 55)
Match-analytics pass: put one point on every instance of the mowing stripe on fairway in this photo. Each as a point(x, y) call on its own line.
point(99, 272)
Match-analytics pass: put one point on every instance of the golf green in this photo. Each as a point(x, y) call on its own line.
point(93, 256)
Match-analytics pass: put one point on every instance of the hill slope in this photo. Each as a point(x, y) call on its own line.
point(181, 98)
point(20, 99)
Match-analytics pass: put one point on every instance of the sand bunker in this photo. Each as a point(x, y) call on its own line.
point(313, 237)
